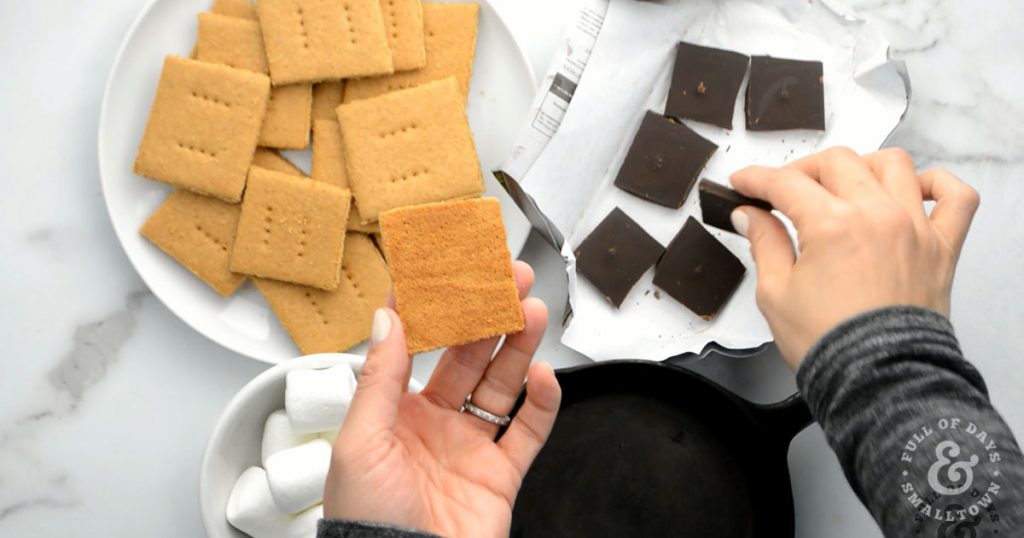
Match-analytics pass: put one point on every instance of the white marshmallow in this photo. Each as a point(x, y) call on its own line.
point(278, 435)
point(318, 400)
point(304, 524)
point(251, 507)
point(297, 475)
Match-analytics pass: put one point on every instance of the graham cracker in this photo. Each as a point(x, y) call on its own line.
point(315, 40)
point(452, 273)
point(235, 8)
point(203, 127)
point(291, 229)
point(326, 98)
point(328, 154)
point(232, 41)
point(272, 160)
point(238, 42)
point(287, 123)
point(450, 41)
point(403, 20)
point(198, 232)
point(409, 147)
point(231, 8)
point(329, 167)
point(355, 222)
point(325, 321)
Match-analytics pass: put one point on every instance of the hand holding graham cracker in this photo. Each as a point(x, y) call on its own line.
point(452, 272)
point(393, 143)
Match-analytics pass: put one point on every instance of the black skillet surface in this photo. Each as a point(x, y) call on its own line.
point(651, 449)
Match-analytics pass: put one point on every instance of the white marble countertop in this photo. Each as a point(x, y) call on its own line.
point(107, 399)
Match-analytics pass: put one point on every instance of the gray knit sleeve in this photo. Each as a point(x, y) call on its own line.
point(912, 425)
point(340, 528)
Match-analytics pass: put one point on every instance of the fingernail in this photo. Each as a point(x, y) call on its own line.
point(381, 326)
point(740, 221)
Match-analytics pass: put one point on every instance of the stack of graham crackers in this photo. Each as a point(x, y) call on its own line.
point(382, 86)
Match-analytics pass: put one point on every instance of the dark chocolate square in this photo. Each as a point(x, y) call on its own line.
point(785, 94)
point(698, 271)
point(616, 254)
point(664, 161)
point(705, 82)
point(717, 202)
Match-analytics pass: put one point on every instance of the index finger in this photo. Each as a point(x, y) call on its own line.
point(843, 173)
point(384, 376)
point(790, 191)
point(461, 367)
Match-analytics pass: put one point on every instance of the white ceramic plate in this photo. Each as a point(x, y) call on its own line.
point(500, 95)
point(234, 445)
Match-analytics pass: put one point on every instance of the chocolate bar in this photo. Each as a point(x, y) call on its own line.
point(785, 94)
point(616, 254)
point(698, 270)
point(718, 201)
point(664, 161)
point(705, 82)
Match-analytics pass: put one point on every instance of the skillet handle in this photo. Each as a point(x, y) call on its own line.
point(785, 419)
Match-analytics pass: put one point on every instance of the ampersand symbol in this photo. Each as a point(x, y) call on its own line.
point(958, 471)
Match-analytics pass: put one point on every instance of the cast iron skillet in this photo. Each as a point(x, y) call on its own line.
point(651, 449)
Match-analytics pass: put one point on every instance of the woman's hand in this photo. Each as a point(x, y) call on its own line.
point(865, 241)
point(414, 460)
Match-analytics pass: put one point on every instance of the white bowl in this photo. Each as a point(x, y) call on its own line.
point(234, 445)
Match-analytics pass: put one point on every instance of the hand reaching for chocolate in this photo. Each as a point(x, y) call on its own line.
point(865, 240)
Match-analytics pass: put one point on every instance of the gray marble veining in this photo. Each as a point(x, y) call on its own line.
point(96, 347)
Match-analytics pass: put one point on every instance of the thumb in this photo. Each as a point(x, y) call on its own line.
point(770, 245)
point(384, 377)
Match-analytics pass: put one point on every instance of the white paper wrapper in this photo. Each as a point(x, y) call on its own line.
point(627, 73)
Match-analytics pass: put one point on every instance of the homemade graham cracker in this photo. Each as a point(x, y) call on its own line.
point(231, 8)
point(355, 222)
point(232, 41)
point(199, 233)
point(316, 40)
point(287, 123)
point(452, 273)
point(238, 42)
point(326, 98)
point(272, 160)
point(409, 147)
point(328, 155)
point(450, 42)
point(325, 321)
point(291, 229)
point(403, 20)
point(203, 127)
point(329, 167)
point(235, 8)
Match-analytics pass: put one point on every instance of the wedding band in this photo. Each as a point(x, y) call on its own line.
point(485, 415)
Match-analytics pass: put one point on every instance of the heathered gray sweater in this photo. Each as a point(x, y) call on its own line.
point(912, 426)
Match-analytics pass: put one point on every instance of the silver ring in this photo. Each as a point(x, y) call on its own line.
point(485, 415)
